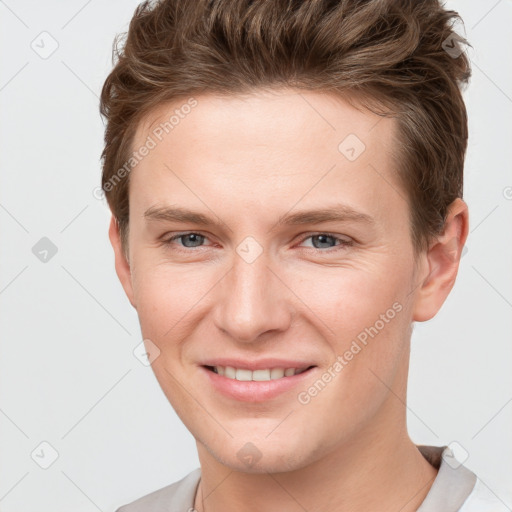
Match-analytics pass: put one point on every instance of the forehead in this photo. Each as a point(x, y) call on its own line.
point(262, 116)
point(266, 142)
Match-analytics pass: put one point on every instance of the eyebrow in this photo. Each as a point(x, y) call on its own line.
point(340, 213)
point(177, 214)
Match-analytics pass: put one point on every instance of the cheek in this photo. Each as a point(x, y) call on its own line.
point(165, 296)
point(365, 317)
point(348, 300)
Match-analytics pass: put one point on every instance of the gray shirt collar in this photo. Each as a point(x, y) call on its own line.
point(453, 483)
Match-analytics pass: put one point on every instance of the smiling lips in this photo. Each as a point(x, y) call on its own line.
point(259, 375)
point(256, 381)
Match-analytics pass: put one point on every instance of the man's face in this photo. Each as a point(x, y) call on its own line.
point(250, 288)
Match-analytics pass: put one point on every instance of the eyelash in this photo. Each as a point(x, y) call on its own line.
point(342, 242)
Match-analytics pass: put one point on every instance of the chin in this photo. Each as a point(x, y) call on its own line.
point(261, 458)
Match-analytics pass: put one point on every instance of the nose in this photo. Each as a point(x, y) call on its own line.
point(253, 301)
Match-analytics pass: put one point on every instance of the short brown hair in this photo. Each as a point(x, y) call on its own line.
point(400, 57)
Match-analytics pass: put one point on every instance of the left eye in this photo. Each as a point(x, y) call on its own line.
point(323, 238)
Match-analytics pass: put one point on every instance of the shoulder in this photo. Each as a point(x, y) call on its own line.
point(177, 496)
point(482, 499)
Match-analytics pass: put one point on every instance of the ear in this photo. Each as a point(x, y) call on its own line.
point(121, 263)
point(441, 263)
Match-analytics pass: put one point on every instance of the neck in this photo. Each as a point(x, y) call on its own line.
point(367, 474)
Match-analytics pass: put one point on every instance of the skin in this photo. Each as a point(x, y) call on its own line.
point(247, 160)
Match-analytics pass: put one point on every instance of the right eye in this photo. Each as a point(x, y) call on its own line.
point(193, 237)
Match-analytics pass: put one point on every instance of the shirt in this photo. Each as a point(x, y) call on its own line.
point(455, 489)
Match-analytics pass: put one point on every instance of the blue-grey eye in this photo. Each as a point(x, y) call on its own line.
point(197, 239)
point(323, 239)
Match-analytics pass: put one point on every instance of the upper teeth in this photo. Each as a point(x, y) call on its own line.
point(258, 375)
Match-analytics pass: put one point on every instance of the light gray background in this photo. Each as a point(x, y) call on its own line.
point(67, 372)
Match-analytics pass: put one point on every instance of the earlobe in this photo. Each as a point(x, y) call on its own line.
point(442, 263)
point(122, 265)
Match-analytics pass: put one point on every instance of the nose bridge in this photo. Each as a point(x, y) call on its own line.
point(253, 300)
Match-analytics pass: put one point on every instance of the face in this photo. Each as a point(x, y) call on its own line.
point(254, 282)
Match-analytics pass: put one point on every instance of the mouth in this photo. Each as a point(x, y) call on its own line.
point(260, 375)
point(258, 385)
